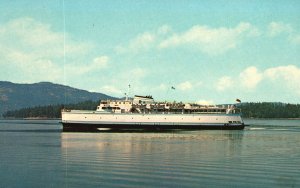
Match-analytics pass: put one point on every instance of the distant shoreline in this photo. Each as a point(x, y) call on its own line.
point(39, 118)
point(273, 118)
point(31, 118)
point(45, 118)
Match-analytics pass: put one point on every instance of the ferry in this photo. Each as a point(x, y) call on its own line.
point(143, 113)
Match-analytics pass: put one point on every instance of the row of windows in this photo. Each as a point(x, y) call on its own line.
point(186, 110)
point(234, 122)
point(210, 110)
point(111, 108)
point(116, 102)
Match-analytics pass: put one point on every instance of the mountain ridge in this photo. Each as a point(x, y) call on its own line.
point(15, 96)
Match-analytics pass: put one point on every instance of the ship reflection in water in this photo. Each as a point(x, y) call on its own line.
point(259, 156)
point(158, 159)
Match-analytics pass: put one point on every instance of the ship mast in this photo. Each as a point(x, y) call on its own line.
point(128, 92)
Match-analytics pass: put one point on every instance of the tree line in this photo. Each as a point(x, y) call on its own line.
point(49, 111)
point(249, 110)
point(270, 110)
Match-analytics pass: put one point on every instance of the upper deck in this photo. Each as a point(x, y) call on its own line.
point(140, 104)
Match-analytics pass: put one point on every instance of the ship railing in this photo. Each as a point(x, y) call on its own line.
point(233, 111)
point(237, 111)
point(65, 110)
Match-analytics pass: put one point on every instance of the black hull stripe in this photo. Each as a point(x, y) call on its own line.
point(94, 127)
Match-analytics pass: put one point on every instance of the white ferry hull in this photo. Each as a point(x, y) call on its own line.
point(92, 120)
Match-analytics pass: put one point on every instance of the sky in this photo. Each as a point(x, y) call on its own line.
point(210, 51)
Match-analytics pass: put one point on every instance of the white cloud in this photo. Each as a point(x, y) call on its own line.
point(117, 84)
point(211, 40)
point(142, 42)
point(165, 29)
point(162, 87)
point(250, 77)
point(224, 83)
point(184, 86)
point(295, 39)
point(111, 90)
point(38, 39)
point(97, 64)
point(42, 69)
point(37, 51)
point(277, 28)
point(137, 73)
point(205, 102)
point(206, 39)
point(285, 75)
point(100, 62)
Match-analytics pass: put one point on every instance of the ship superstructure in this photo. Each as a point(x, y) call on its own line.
point(142, 112)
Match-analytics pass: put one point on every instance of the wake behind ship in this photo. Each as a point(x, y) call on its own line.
point(143, 113)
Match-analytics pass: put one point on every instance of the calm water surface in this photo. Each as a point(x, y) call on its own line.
point(37, 154)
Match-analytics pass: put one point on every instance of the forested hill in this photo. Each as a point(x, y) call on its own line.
point(249, 110)
point(16, 96)
point(270, 110)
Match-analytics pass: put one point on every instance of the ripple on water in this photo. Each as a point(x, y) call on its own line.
point(259, 156)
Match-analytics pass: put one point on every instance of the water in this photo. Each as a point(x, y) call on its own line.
point(37, 154)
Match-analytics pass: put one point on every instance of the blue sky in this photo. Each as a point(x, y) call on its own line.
point(210, 51)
